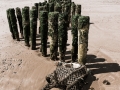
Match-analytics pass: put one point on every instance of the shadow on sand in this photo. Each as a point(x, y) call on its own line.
point(98, 66)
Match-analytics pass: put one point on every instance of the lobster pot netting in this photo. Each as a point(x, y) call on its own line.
point(71, 78)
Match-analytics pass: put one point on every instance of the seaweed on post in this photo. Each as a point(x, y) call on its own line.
point(83, 29)
point(58, 8)
point(14, 23)
point(74, 31)
point(51, 7)
point(53, 34)
point(33, 27)
point(9, 22)
point(62, 35)
point(44, 31)
point(19, 18)
point(78, 10)
point(26, 24)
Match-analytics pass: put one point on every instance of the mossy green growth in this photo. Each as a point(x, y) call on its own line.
point(43, 8)
point(46, 7)
point(14, 23)
point(36, 5)
point(39, 4)
point(83, 30)
point(19, 18)
point(44, 31)
point(33, 27)
point(49, 1)
point(9, 22)
point(78, 10)
point(53, 34)
point(73, 6)
point(58, 8)
point(67, 9)
point(26, 24)
point(62, 35)
point(74, 32)
point(51, 7)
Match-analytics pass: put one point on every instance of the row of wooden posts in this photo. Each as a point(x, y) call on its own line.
point(55, 16)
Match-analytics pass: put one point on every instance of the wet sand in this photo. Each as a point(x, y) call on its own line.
point(24, 69)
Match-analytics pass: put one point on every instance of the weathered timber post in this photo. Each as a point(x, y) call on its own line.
point(51, 7)
point(74, 32)
point(9, 22)
point(39, 5)
point(73, 6)
point(40, 8)
point(44, 31)
point(53, 34)
point(45, 2)
point(78, 10)
point(26, 24)
point(33, 27)
point(62, 35)
point(63, 7)
point(19, 17)
point(36, 5)
point(49, 1)
point(14, 23)
point(67, 11)
point(58, 8)
point(46, 7)
point(83, 29)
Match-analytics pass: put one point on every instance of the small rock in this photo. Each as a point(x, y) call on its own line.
point(2, 71)
point(106, 82)
point(91, 88)
point(15, 72)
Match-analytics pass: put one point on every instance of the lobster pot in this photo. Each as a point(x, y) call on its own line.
point(74, 32)
point(66, 78)
point(14, 23)
point(53, 34)
point(62, 35)
point(83, 29)
point(9, 22)
point(26, 24)
point(44, 32)
point(33, 27)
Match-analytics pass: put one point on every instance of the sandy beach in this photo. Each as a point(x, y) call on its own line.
point(25, 69)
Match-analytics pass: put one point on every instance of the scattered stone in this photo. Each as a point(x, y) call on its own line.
point(91, 88)
point(2, 71)
point(106, 82)
point(15, 72)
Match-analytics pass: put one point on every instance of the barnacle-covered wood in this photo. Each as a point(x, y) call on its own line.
point(44, 31)
point(53, 34)
point(10, 25)
point(33, 27)
point(26, 24)
point(14, 23)
point(83, 29)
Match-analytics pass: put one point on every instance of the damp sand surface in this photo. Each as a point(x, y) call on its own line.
point(24, 69)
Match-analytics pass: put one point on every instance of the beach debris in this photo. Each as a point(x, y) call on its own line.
point(66, 77)
point(106, 82)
